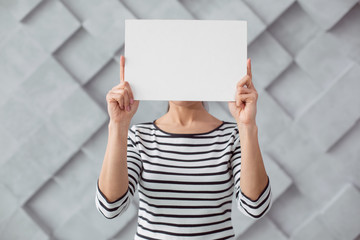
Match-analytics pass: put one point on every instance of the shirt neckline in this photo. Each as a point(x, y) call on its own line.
point(186, 134)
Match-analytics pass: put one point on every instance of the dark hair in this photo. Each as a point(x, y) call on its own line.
point(169, 106)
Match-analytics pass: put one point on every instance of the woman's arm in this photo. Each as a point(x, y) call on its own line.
point(253, 174)
point(113, 179)
point(254, 191)
point(120, 172)
point(112, 187)
point(254, 202)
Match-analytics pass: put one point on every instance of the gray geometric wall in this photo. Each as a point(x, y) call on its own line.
point(59, 58)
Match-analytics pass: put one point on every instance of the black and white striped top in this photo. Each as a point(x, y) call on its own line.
point(185, 183)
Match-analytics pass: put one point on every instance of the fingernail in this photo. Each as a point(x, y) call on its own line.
point(131, 101)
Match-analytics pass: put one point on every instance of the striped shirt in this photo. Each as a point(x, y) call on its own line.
point(185, 182)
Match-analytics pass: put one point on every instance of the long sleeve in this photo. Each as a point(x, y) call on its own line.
point(113, 209)
point(252, 208)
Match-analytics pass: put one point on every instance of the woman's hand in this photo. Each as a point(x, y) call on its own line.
point(120, 100)
point(243, 109)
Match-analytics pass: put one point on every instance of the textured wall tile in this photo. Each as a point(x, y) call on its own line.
point(323, 60)
point(271, 10)
point(77, 118)
point(77, 227)
point(294, 90)
point(128, 232)
point(270, 117)
point(294, 29)
point(95, 147)
point(82, 9)
point(76, 178)
point(107, 78)
point(83, 56)
point(41, 235)
point(291, 210)
point(19, 119)
point(342, 214)
point(19, 56)
point(117, 55)
point(320, 180)
point(55, 150)
point(230, 9)
point(20, 8)
point(280, 181)
point(347, 29)
point(8, 145)
point(331, 10)
point(47, 87)
point(4, 92)
point(9, 205)
point(21, 226)
point(22, 174)
point(8, 24)
point(171, 9)
point(312, 229)
point(342, 98)
point(349, 152)
point(268, 60)
point(294, 150)
point(51, 24)
point(355, 53)
point(107, 24)
point(52, 205)
point(264, 229)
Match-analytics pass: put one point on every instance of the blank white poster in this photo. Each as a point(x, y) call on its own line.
point(185, 60)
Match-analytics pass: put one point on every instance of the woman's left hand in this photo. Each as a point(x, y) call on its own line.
point(243, 109)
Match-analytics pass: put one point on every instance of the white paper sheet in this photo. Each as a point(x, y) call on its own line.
point(185, 60)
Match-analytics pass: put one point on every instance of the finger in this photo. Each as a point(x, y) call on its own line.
point(119, 85)
point(126, 85)
point(122, 85)
point(239, 103)
point(244, 81)
point(119, 98)
point(118, 91)
point(243, 90)
point(122, 64)
point(247, 97)
point(114, 97)
point(129, 91)
point(126, 99)
point(110, 97)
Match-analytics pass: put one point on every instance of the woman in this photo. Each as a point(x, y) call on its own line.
point(185, 165)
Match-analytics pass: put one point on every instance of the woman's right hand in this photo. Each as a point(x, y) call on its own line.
point(120, 98)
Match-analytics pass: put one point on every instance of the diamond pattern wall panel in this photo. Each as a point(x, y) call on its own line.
point(59, 58)
point(51, 24)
